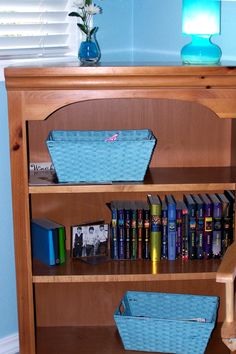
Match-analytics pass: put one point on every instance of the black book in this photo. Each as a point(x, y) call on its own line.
point(127, 229)
point(114, 231)
point(146, 231)
point(226, 223)
point(230, 195)
point(208, 215)
point(185, 227)
point(121, 229)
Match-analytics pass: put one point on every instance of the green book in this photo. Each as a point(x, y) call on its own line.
point(155, 227)
point(62, 243)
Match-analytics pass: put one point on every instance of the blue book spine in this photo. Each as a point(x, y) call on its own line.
point(121, 231)
point(164, 231)
point(185, 222)
point(179, 233)
point(171, 228)
point(114, 236)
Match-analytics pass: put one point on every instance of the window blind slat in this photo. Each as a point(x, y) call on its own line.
point(42, 26)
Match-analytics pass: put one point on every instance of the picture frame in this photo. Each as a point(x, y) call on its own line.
point(89, 240)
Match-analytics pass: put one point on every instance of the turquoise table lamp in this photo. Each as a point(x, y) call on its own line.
point(201, 20)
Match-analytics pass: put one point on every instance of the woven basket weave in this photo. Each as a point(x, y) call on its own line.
point(166, 323)
point(87, 156)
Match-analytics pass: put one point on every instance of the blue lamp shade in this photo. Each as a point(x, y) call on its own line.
point(201, 20)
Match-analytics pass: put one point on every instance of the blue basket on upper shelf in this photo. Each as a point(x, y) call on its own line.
point(101, 156)
point(166, 323)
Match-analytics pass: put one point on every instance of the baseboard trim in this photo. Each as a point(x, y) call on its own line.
point(9, 344)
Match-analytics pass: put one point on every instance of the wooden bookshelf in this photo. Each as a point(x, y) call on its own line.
point(196, 152)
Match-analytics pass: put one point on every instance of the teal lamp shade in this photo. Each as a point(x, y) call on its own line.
point(201, 20)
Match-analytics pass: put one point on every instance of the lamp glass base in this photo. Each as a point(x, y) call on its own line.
point(201, 51)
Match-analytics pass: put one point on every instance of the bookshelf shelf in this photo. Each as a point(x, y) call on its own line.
point(157, 179)
point(98, 340)
point(61, 309)
point(125, 271)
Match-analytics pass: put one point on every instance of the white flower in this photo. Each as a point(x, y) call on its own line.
point(93, 9)
point(79, 4)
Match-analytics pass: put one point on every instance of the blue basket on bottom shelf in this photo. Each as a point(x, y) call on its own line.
point(101, 155)
point(166, 323)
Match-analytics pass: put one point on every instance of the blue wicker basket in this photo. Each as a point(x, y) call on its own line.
point(166, 323)
point(101, 156)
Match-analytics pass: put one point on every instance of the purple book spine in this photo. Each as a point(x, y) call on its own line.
point(217, 230)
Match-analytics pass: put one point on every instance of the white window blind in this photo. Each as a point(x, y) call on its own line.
point(36, 28)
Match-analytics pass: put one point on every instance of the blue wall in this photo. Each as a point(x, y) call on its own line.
point(150, 30)
point(8, 313)
point(139, 30)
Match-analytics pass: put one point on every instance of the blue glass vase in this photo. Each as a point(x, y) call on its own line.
point(89, 51)
point(201, 51)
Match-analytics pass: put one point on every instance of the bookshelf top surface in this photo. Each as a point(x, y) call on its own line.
point(61, 67)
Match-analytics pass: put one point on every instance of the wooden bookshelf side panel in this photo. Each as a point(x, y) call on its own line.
point(94, 304)
point(21, 215)
point(188, 133)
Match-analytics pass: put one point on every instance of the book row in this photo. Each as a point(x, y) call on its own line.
point(199, 226)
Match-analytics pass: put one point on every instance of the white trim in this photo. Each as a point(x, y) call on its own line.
point(9, 344)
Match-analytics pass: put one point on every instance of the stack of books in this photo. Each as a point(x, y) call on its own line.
point(48, 241)
point(199, 226)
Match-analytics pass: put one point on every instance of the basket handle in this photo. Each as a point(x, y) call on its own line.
point(121, 308)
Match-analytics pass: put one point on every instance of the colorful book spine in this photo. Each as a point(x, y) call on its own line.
point(114, 231)
point(171, 227)
point(127, 220)
point(140, 229)
point(146, 230)
point(134, 236)
point(155, 233)
point(191, 205)
point(179, 229)
point(185, 222)
point(208, 214)
point(226, 223)
point(199, 226)
point(164, 230)
point(62, 244)
point(121, 229)
point(216, 226)
point(230, 195)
